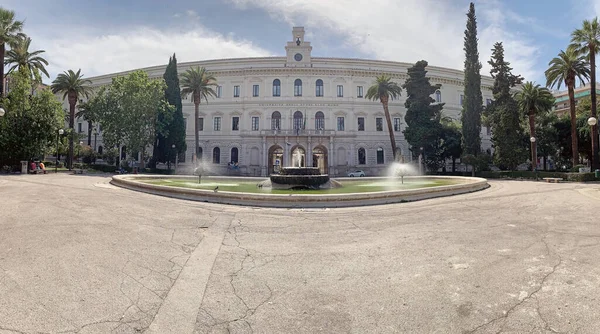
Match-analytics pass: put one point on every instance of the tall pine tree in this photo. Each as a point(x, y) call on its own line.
point(472, 105)
point(509, 140)
point(422, 117)
point(175, 134)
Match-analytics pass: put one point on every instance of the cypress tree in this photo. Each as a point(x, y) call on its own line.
point(175, 129)
point(422, 117)
point(472, 104)
point(509, 140)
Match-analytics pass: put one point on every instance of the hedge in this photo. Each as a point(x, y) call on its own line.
point(574, 177)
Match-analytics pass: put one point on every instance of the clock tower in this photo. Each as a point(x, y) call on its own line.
point(298, 51)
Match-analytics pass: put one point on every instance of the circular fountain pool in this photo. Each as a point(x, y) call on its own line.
point(353, 191)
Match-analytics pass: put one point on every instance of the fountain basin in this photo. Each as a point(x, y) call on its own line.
point(299, 178)
point(301, 199)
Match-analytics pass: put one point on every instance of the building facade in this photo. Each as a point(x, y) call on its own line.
point(300, 110)
point(562, 104)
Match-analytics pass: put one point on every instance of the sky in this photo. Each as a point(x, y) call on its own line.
point(107, 36)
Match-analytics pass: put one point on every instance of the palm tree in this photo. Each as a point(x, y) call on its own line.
point(383, 90)
point(533, 100)
point(568, 67)
point(73, 86)
point(199, 83)
point(587, 42)
point(20, 57)
point(10, 33)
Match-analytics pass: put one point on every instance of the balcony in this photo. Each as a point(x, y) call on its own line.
point(297, 132)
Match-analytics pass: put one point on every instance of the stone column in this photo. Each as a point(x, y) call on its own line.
point(309, 158)
point(286, 153)
point(264, 157)
point(331, 157)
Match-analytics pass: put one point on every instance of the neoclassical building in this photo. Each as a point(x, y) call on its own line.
point(300, 110)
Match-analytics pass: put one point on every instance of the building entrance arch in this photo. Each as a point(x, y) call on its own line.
point(320, 159)
point(275, 159)
point(298, 156)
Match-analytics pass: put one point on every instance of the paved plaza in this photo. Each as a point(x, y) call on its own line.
point(78, 255)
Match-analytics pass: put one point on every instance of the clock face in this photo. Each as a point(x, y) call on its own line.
point(298, 57)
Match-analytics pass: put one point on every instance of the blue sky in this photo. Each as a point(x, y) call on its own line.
point(108, 36)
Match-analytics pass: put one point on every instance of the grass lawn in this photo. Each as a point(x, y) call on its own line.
point(348, 187)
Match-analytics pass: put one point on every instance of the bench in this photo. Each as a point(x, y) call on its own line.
point(552, 179)
point(37, 171)
point(78, 171)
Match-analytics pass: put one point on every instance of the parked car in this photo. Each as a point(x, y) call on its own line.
point(356, 173)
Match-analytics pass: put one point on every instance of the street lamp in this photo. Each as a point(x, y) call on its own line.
point(592, 121)
point(2, 112)
point(58, 134)
point(176, 157)
point(533, 156)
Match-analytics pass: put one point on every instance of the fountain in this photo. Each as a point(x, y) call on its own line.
point(401, 169)
point(298, 178)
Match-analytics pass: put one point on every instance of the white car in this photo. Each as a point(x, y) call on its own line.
point(356, 173)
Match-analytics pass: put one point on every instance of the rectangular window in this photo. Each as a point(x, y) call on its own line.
point(79, 127)
point(297, 90)
point(359, 91)
point(217, 124)
point(461, 98)
point(200, 124)
point(319, 91)
point(255, 90)
point(488, 102)
point(235, 123)
point(396, 124)
point(185, 124)
point(255, 122)
point(236, 91)
point(379, 124)
point(361, 124)
point(219, 90)
point(488, 130)
point(276, 90)
point(340, 91)
point(340, 123)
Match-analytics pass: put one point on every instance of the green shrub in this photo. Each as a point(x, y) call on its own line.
point(574, 177)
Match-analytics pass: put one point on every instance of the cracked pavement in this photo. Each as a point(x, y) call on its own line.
point(78, 255)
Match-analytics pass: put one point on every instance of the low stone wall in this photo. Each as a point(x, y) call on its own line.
point(465, 185)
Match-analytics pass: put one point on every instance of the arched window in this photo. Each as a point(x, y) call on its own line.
point(319, 121)
point(319, 90)
point(298, 121)
point(100, 149)
point(276, 87)
point(362, 156)
point(275, 120)
point(199, 157)
point(438, 96)
point(298, 87)
point(380, 156)
point(216, 155)
point(234, 155)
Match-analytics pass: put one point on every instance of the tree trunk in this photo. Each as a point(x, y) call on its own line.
point(384, 100)
point(574, 147)
point(2, 51)
point(533, 144)
point(545, 163)
point(89, 133)
point(453, 165)
point(72, 101)
point(593, 96)
point(196, 115)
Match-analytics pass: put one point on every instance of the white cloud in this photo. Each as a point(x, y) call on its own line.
point(98, 54)
point(408, 30)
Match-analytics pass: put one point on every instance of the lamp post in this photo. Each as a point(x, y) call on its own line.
point(176, 157)
point(592, 121)
point(58, 134)
point(533, 156)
